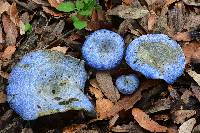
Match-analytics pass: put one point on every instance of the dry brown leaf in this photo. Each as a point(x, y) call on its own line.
point(196, 91)
point(128, 102)
point(13, 13)
point(127, 2)
point(113, 120)
point(8, 52)
point(102, 107)
point(95, 25)
point(129, 128)
point(128, 12)
point(4, 6)
point(104, 80)
point(161, 104)
point(161, 117)
point(27, 130)
point(182, 36)
point(54, 3)
point(73, 128)
point(41, 2)
point(60, 49)
point(4, 74)
point(152, 19)
point(10, 30)
point(187, 126)
point(2, 36)
point(98, 94)
point(189, 50)
point(47, 10)
point(194, 75)
point(94, 83)
point(186, 95)
point(144, 121)
point(192, 21)
point(182, 115)
point(2, 97)
point(192, 2)
point(196, 55)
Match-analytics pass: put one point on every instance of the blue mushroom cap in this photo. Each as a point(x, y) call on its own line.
point(127, 84)
point(103, 49)
point(156, 56)
point(46, 82)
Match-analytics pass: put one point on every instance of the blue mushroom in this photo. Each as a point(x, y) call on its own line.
point(46, 82)
point(127, 84)
point(103, 49)
point(156, 56)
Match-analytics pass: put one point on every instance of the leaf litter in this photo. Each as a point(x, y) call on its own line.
point(169, 106)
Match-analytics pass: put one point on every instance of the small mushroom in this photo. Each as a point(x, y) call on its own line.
point(127, 84)
point(103, 49)
point(46, 82)
point(156, 56)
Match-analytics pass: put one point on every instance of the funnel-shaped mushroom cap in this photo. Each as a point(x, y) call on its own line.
point(127, 84)
point(103, 49)
point(46, 82)
point(156, 56)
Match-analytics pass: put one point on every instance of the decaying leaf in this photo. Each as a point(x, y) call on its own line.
point(27, 130)
point(8, 52)
point(194, 75)
point(113, 120)
point(196, 129)
point(73, 128)
point(192, 2)
point(13, 13)
point(127, 2)
point(103, 106)
point(186, 95)
point(54, 3)
point(47, 10)
point(2, 97)
point(144, 121)
point(161, 117)
point(161, 104)
point(128, 12)
point(104, 80)
point(10, 30)
point(128, 102)
point(182, 36)
point(196, 55)
point(4, 74)
point(192, 22)
point(187, 126)
point(189, 50)
point(129, 128)
point(60, 49)
point(182, 115)
point(4, 6)
point(152, 19)
point(96, 92)
point(196, 91)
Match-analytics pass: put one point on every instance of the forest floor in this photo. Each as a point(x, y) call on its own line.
point(155, 107)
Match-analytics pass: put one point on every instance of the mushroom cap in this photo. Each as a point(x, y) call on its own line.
point(103, 49)
point(127, 84)
point(46, 82)
point(156, 56)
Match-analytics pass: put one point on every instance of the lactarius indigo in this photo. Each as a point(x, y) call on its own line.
point(156, 56)
point(46, 82)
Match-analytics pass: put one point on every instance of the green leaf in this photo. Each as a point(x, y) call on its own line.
point(80, 24)
point(79, 5)
point(27, 27)
point(88, 8)
point(66, 6)
point(98, 7)
point(86, 1)
point(86, 12)
point(74, 18)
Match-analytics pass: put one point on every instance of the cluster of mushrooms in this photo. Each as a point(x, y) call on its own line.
point(46, 82)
